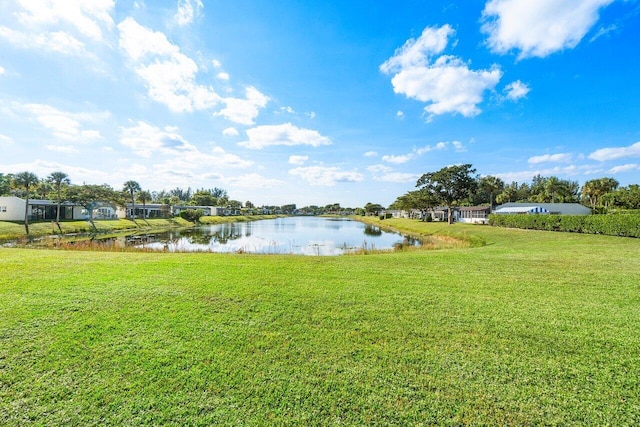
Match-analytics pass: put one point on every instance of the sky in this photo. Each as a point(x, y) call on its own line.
point(314, 103)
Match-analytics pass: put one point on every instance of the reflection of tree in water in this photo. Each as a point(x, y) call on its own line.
point(371, 230)
point(226, 232)
point(198, 236)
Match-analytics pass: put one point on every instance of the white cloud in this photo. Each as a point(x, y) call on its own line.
point(400, 114)
point(251, 181)
point(4, 139)
point(516, 90)
point(230, 132)
point(59, 26)
point(457, 145)
point(326, 176)
point(371, 154)
point(284, 134)
point(69, 149)
point(613, 153)
point(57, 41)
point(223, 76)
point(538, 28)
point(625, 168)
point(416, 53)
point(188, 10)
point(378, 169)
point(216, 63)
point(87, 17)
point(287, 109)
point(169, 74)
point(550, 158)
point(2, 71)
point(417, 152)
point(298, 160)
point(603, 31)
point(398, 177)
point(384, 173)
point(522, 176)
point(61, 124)
point(145, 139)
point(183, 157)
point(227, 159)
point(446, 84)
point(244, 111)
point(404, 158)
point(43, 168)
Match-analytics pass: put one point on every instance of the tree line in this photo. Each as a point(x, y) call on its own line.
point(459, 185)
point(57, 187)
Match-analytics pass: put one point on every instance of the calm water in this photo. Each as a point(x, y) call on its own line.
point(293, 235)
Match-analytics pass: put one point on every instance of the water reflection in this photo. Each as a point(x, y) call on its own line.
point(294, 235)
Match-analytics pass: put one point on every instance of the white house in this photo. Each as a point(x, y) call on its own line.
point(12, 209)
point(473, 214)
point(151, 210)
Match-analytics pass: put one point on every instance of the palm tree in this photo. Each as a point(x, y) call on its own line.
point(492, 185)
point(132, 187)
point(144, 196)
point(25, 180)
point(58, 179)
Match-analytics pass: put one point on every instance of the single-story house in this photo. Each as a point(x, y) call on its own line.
point(12, 209)
point(394, 213)
point(542, 208)
point(473, 214)
point(151, 210)
point(441, 213)
point(208, 210)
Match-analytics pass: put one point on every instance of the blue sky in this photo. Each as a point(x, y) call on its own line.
point(292, 101)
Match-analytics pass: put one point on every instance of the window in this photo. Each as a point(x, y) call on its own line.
point(3, 208)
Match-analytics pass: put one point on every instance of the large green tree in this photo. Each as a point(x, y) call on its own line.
point(373, 208)
point(593, 191)
point(58, 180)
point(5, 184)
point(92, 197)
point(627, 197)
point(421, 200)
point(131, 188)
point(25, 181)
point(450, 185)
point(553, 190)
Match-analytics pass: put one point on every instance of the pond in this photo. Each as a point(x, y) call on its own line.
point(291, 235)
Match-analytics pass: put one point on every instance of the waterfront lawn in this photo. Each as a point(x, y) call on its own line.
point(530, 328)
point(16, 230)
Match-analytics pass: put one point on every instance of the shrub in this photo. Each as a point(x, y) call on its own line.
point(611, 225)
point(192, 215)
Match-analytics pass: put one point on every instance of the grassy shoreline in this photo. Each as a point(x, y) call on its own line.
point(16, 231)
point(528, 328)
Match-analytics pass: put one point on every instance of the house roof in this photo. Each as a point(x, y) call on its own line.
point(553, 208)
point(474, 208)
point(521, 209)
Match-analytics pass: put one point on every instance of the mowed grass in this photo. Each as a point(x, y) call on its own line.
point(16, 230)
point(530, 328)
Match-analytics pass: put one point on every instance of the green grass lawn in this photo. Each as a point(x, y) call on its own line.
point(16, 230)
point(527, 328)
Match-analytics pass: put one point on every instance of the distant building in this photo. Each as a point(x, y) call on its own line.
point(542, 208)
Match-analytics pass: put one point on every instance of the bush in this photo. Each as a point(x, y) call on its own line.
point(611, 225)
point(192, 215)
